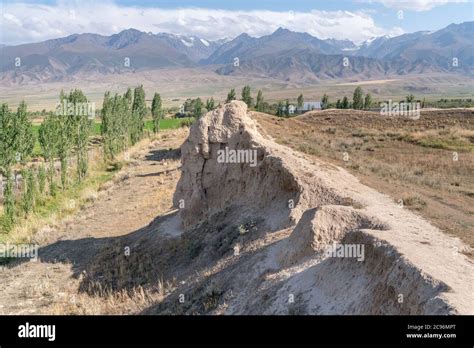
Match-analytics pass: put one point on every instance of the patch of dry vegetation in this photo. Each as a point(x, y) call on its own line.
point(426, 163)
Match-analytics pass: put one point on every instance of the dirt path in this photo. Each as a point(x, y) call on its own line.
point(138, 193)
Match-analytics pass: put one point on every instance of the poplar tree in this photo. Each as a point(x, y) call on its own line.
point(108, 126)
point(300, 101)
point(156, 112)
point(137, 123)
point(41, 177)
point(16, 143)
point(29, 191)
point(280, 109)
point(210, 104)
point(64, 136)
point(116, 127)
point(129, 96)
point(367, 101)
point(8, 148)
point(197, 112)
point(81, 127)
point(325, 101)
point(246, 96)
point(345, 103)
point(24, 129)
point(230, 96)
point(259, 104)
point(287, 108)
point(124, 118)
point(358, 99)
point(49, 141)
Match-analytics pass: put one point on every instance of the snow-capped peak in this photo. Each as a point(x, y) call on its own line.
point(187, 43)
point(369, 41)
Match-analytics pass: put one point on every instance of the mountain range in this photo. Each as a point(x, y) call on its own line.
point(284, 54)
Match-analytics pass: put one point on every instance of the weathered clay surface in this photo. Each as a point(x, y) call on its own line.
point(272, 186)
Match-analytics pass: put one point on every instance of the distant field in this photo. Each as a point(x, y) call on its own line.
point(371, 82)
point(176, 85)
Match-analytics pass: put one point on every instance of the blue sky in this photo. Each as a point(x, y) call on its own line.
point(27, 21)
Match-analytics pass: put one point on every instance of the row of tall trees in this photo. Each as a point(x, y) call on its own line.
point(123, 119)
point(359, 101)
point(196, 108)
point(281, 109)
point(16, 144)
point(259, 105)
point(116, 126)
point(64, 135)
point(247, 98)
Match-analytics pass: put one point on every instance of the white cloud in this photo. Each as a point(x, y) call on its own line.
point(415, 5)
point(22, 23)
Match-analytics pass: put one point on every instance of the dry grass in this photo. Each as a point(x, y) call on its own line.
point(428, 163)
point(100, 301)
point(112, 302)
point(455, 139)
